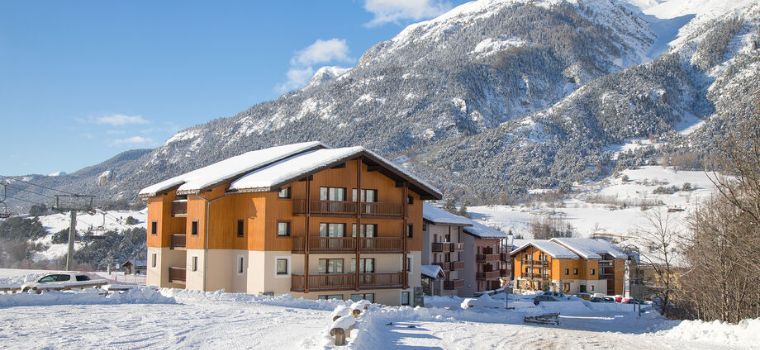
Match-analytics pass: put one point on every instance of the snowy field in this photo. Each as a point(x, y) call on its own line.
point(185, 319)
point(610, 206)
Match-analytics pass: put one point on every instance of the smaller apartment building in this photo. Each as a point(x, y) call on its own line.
point(569, 265)
point(471, 255)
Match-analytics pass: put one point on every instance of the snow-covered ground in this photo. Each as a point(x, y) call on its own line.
point(184, 319)
point(113, 220)
point(611, 206)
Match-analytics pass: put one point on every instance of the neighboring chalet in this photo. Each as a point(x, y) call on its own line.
point(570, 265)
point(303, 219)
point(471, 255)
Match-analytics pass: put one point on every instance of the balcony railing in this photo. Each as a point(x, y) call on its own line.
point(347, 208)
point(347, 244)
point(456, 265)
point(179, 208)
point(488, 250)
point(445, 266)
point(504, 257)
point(490, 275)
point(453, 284)
point(504, 273)
point(481, 258)
point(177, 275)
point(457, 247)
point(535, 262)
point(179, 241)
point(347, 281)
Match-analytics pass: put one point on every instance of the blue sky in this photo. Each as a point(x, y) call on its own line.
point(81, 81)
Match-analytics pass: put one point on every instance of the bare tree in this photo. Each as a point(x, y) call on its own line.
point(659, 240)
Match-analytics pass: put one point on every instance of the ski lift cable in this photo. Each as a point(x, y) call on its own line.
point(47, 188)
point(19, 190)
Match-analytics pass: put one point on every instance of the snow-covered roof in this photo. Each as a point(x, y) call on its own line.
point(432, 271)
point(590, 248)
point(275, 174)
point(267, 169)
point(196, 180)
point(483, 231)
point(554, 250)
point(440, 216)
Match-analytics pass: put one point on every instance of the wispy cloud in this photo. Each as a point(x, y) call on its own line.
point(320, 52)
point(134, 140)
point(120, 119)
point(393, 11)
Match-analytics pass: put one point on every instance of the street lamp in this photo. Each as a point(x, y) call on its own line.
point(510, 242)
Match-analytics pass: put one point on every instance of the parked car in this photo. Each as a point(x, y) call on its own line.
point(62, 279)
point(539, 298)
point(633, 301)
point(604, 299)
point(584, 296)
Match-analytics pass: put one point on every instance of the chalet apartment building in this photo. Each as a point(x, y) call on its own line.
point(461, 257)
point(302, 219)
point(570, 265)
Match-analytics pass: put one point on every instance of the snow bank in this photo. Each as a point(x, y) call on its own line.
point(745, 334)
point(142, 295)
point(286, 300)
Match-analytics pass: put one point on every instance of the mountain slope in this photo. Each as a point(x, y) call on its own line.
point(495, 97)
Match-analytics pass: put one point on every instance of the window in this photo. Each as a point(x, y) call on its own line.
point(194, 264)
point(593, 272)
point(240, 228)
point(154, 228)
point(367, 230)
point(54, 278)
point(424, 227)
point(82, 278)
point(567, 271)
point(409, 200)
point(526, 271)
point(367, 195)
point(241, 265)
point(282, 266)
point(194, 228)
point(331, 296)
point(409, 231)
point(365, 296)
point(366, 265)
point(284, 193)
point(332, 230)
point(575, 271)
point(330, 266)
point(404, 298)
point(409, 264)
point(153, 259)
point(567, 287)
point(283, 228)
point(332, 194)
point(592, 287)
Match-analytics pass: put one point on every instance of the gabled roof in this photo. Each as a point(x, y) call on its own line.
point(590, 248)
point(554, 250)
point(268, 169)
point(482, 231)
point(440, 216)
point(432, 271)
point(199, 179)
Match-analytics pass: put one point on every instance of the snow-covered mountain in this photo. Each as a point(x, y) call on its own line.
point(499, 96)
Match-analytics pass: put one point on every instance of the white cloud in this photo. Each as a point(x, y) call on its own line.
point(134, 140)
point(386, 11)
point(320, 52)
point(120, 119)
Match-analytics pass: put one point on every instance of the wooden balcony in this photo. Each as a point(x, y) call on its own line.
point(453, 284)
point(457, 265)
point(504, 273)
point(177, 275)
point(323, 245)
point(179, 208)
point(457, 247)
point(490, 275)
point(179, 241)
point(504, 257)
point(489, 250)
point(445, 266)
point(347, 208)
point(446, 247)
point(483, 258)
point(347, 281)
point(535, 262)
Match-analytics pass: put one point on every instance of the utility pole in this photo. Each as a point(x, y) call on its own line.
point(72, 203)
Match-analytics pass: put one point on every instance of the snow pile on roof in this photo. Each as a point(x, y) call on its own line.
point(553, 249)
point(432, 271)
point(201, 178)
point(483, 231)
point(590, 248)
point(440, 216)
point(287, 169)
